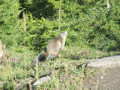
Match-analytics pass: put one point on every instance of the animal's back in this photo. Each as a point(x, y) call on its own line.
point(54, 45)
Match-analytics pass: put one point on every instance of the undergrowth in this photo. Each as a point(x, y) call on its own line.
point(67, 70)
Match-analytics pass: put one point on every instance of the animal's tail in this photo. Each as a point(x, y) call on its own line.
point(43, 57)
point(40, 58)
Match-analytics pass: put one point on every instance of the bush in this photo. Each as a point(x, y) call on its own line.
point(11, 31)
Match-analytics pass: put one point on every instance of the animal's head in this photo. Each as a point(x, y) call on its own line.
point(64, 34)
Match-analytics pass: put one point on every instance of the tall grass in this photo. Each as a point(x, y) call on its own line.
point(67, 71)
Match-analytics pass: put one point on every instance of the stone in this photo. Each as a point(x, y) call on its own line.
point(107, 62)
point(1, 66)
point(41, 80)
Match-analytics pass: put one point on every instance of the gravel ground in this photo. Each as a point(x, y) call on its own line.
point(110, 80)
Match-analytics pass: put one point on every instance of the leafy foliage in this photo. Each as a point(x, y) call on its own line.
point(11, 28)
point(88, 23)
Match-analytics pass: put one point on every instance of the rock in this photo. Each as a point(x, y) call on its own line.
point(41, 80)
point(1, 66)
point(2, 52)
point(107, 62)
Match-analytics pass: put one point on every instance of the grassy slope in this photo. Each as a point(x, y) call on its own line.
point(67, 70)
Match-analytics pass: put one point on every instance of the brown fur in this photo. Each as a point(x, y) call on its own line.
point(53, 47)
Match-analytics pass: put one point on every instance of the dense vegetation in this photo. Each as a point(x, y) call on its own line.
point(88, 22)
point(26, 26)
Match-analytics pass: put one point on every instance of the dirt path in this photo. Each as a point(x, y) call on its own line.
point(110, 80)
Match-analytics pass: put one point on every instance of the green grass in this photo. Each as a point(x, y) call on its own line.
point(67, 70)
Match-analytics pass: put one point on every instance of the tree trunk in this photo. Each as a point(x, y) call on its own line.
point(108, 6)
point(24, 18)
point(60, 13)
